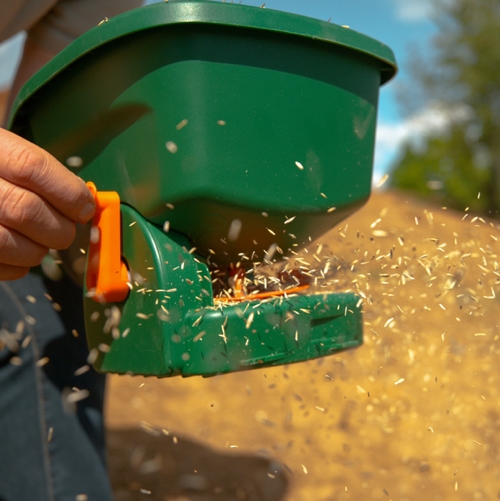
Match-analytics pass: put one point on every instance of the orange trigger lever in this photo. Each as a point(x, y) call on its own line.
point(107, 275)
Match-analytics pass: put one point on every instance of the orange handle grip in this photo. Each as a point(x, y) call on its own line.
point(107, 275)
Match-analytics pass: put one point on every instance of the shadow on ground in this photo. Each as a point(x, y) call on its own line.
point(157, 467)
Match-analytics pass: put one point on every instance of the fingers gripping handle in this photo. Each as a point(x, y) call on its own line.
point(107, 275)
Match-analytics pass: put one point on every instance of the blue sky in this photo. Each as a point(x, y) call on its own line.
point(399, 24)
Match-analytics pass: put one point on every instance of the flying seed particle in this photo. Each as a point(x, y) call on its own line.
point(92, 357)
point(181, 124)
point(388, 321)
point(171, 146)
point(331, 209)
point(94, 235)
point(234, 230)
point(299, 165)
point(50, 434)
point(166, 226)
point(290, 220)
point(31, 299)
point(399, 381)
point(43, 361)
point(82, 370)
point(384, 178)
point(77, 396)
point(74, 162)
point(82, 497)
point(221, 122)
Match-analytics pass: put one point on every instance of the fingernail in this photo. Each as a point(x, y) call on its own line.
point(87, 212)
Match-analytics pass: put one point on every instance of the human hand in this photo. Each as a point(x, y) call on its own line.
point(40, 203)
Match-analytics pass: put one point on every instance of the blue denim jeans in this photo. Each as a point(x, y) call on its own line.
point(51, 443)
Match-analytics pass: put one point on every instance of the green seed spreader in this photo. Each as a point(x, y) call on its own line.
point(215, 134)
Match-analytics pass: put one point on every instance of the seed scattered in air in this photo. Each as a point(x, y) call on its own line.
point(43, 361)
point(299, 165)
point(181, 124)
point(171, 146)
point(74, 162)
point(77, 396)
point(234, 230)
point(382, 180)
point(221, 122)
point(94, 235)
point(92, 357)
point(82, 370)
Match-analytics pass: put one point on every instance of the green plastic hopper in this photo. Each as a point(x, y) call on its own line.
point(207, 115)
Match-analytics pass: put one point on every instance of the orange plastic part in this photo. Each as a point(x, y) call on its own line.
point(107, 275)
point(263, 295)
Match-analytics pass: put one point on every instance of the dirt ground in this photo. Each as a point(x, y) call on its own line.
point(412, 414)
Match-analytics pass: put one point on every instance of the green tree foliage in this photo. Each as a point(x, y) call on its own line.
point(462, 73)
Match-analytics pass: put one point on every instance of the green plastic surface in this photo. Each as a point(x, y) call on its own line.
point(169, 324)
point(206, 114)
point(260, 90)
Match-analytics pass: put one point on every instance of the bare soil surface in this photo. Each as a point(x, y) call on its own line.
point(412, 414)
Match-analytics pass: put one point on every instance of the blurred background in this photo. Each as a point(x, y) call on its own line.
point(415, 411)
